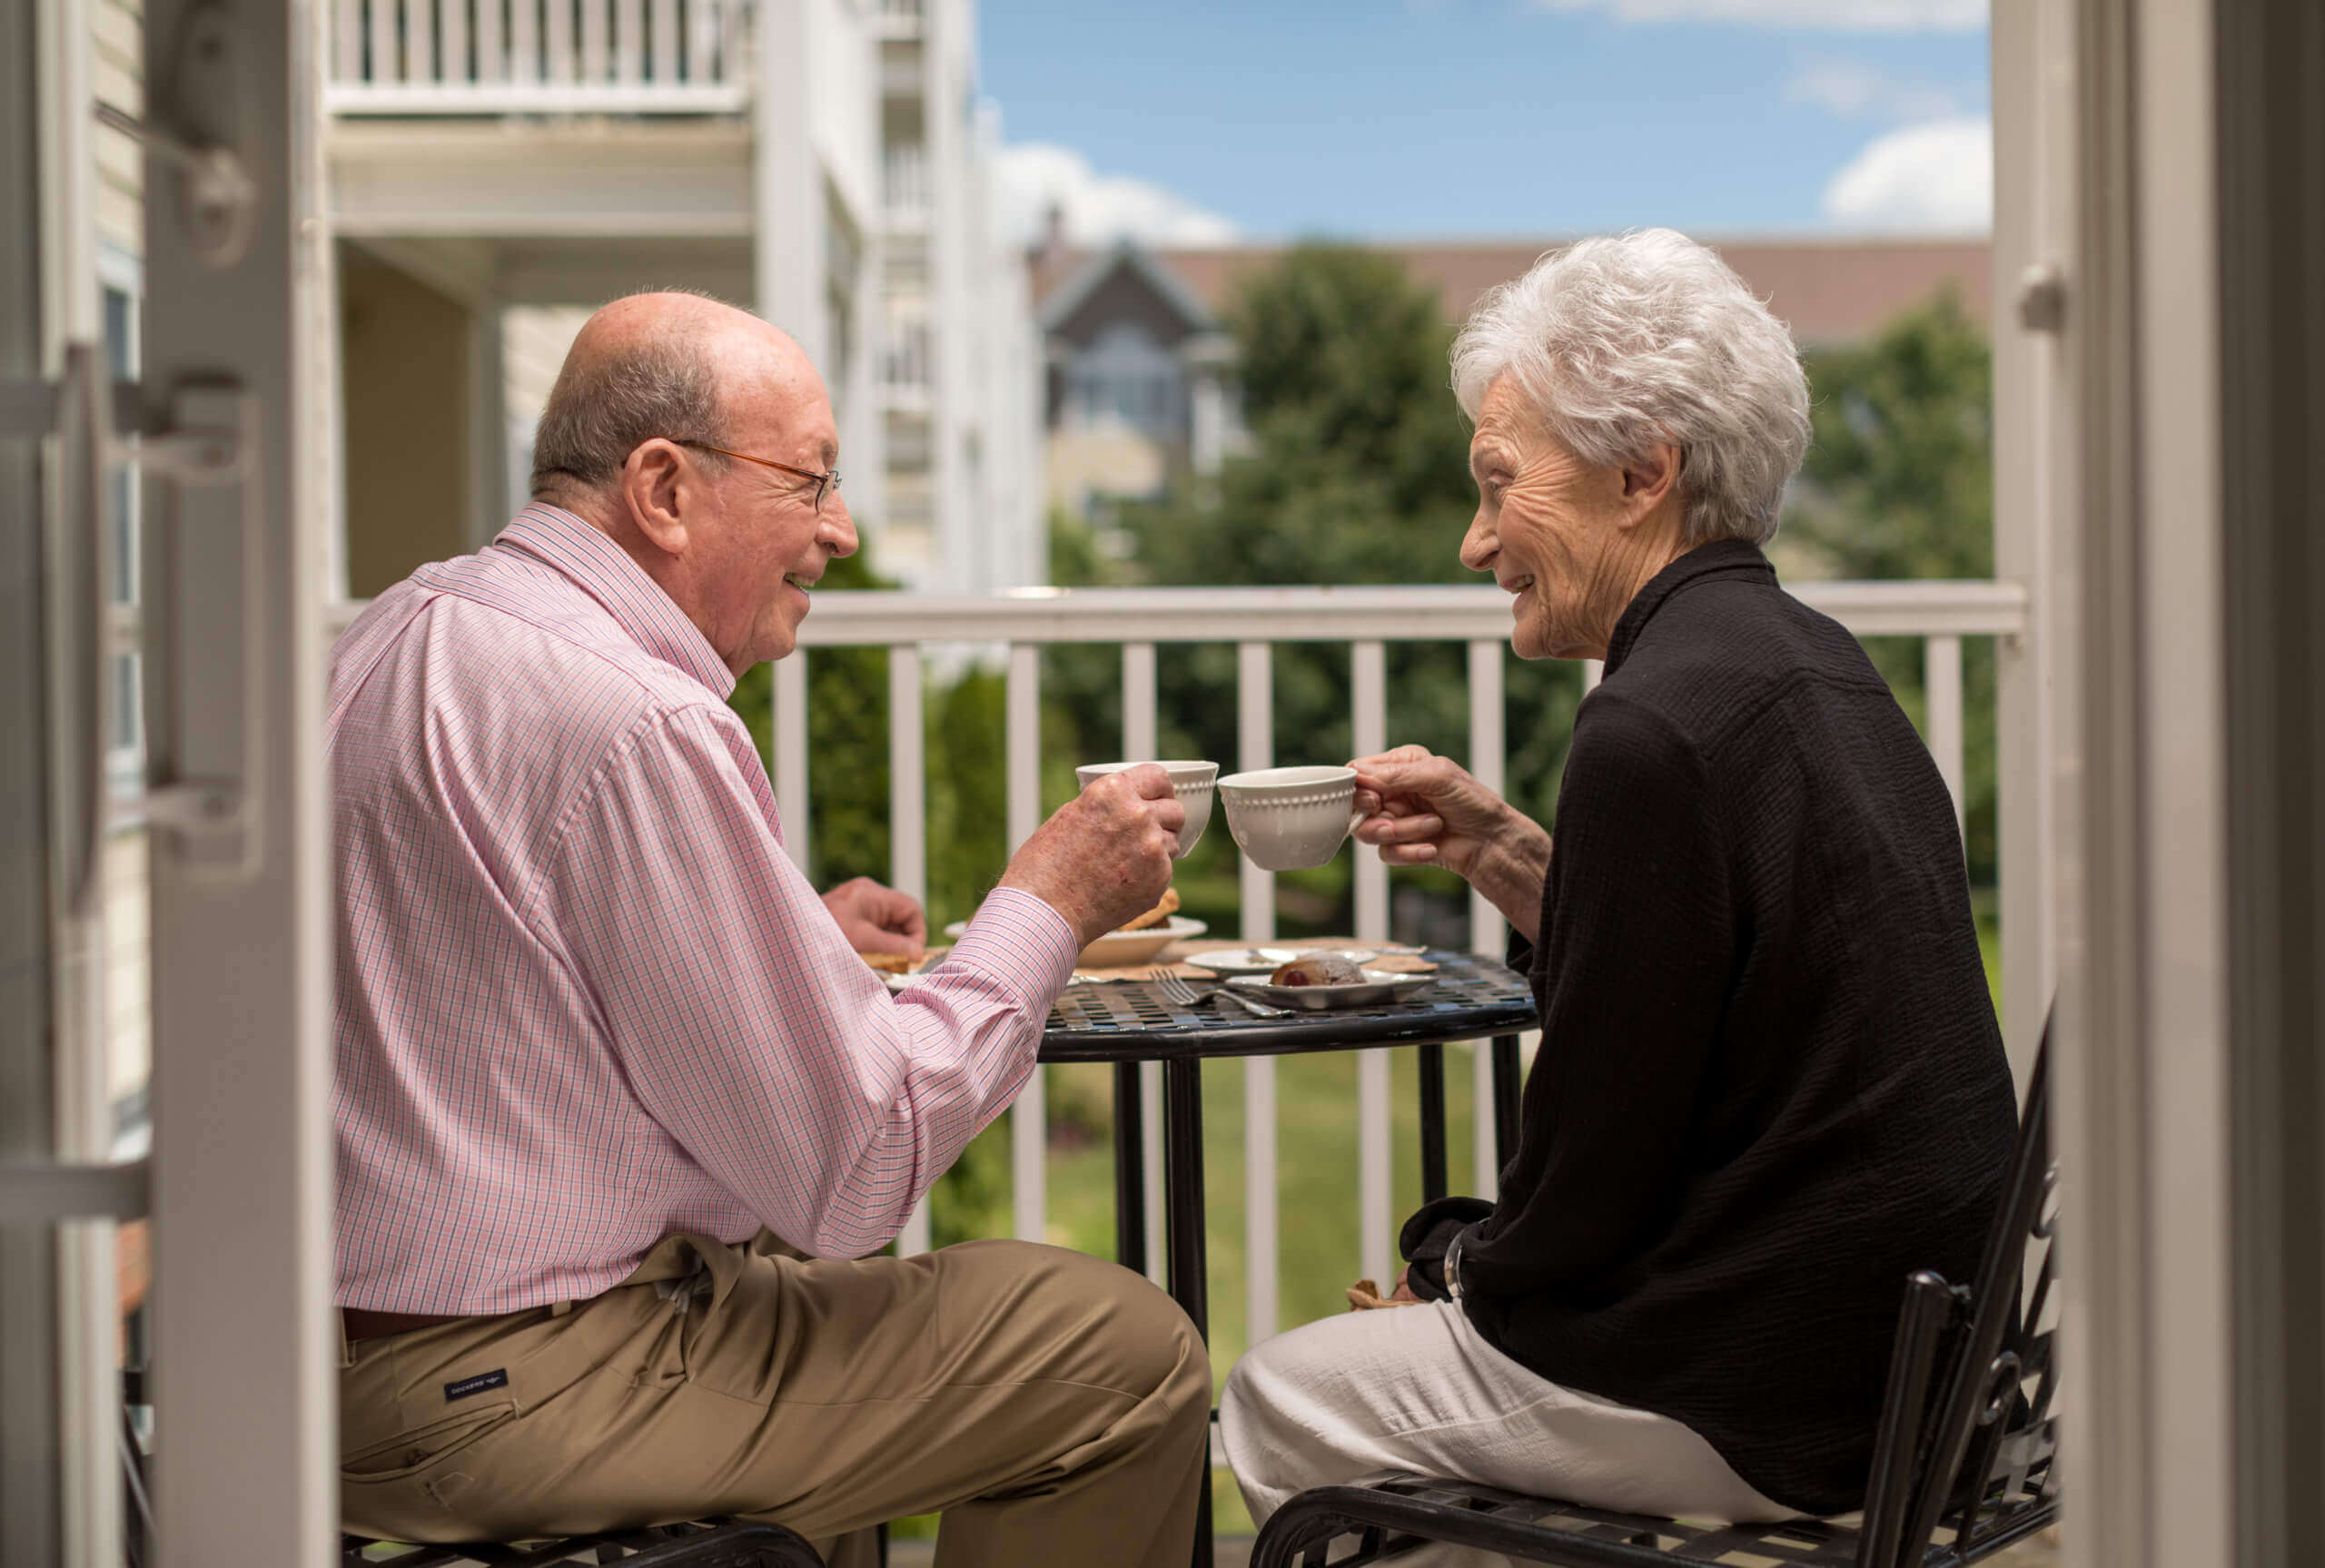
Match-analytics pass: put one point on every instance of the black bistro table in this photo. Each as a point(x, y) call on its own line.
point(1126, 1022)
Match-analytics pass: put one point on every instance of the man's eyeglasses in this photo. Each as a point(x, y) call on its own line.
point(825, 483)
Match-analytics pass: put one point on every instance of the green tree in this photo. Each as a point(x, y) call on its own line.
point(1899, 483)
point(1357, 473)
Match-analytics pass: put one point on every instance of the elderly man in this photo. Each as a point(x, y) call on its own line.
point(601, 1050)
point(1770, 1083)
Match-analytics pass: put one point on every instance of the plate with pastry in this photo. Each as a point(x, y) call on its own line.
point(1134, 943)
point(1234, 961)
point(1321, 981)
point(893, 968)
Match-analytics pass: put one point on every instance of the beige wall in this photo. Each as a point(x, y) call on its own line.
point(1109, 460)
point(406, 358)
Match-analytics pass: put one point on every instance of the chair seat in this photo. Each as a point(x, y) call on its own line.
point(1392, 1510)
point(706, 1543)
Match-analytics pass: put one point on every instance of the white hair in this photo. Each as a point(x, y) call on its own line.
point(1620, 343)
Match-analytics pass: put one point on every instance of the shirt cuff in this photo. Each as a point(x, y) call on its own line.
point(1021, 941)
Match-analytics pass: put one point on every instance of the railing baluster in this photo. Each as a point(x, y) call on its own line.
point(907, 774)
point(1488, 931)
point(1942, 684)
point(1368, 727)
point(387, 57)
point(1140, 742)
point(595, 51)
point(663, 36)
point(558, 39)
point(491, 65)
point(630, 41)
point(789, 732)
point(696, 38)
point(1255, 749)
point(419, 41)
point(1593, 672)
point(524, 41)
point(454, 68)
point(1028, 1116)
point(347, 40)
point(908, 831)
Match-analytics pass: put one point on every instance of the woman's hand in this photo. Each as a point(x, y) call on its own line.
point(1422, 809)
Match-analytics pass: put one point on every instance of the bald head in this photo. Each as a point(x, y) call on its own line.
point(669, 364)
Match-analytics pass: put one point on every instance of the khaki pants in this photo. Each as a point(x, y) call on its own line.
point(1054, 1407)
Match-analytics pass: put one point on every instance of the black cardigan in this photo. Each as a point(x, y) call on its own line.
point(1770, 1083)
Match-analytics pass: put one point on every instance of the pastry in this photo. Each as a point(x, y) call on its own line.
point(892, 963)
point(1158, 914)
point(1319, 969)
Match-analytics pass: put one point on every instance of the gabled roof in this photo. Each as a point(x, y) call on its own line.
point(1833, 289)
point(1076, 283)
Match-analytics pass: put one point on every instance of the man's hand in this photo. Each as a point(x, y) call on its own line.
point(1422, 809)
point(877, 919)
point(1404, 1291)
point(1103, 856)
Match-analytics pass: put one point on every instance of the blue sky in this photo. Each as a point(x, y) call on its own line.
point(1188, 120)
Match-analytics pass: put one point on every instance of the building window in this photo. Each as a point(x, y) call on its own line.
point(119, 291)
point(1125, 378)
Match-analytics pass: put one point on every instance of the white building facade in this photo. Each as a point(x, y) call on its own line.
point(495, 170)
point(960, 368)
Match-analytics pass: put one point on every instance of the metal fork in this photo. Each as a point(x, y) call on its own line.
point(1174, 988)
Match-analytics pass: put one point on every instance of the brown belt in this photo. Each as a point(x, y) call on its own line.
point(364, 1324)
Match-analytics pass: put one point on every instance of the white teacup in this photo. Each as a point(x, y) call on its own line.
point(1286, 819)
point(1191, 781)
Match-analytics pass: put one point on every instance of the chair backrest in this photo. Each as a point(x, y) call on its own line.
point(1966, 1436)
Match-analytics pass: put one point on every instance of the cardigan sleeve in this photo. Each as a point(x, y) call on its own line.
point(1639, 938)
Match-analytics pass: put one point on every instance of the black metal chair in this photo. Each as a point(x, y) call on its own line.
point(710, 1543)
point(706, 1543)
point(1961, 1458)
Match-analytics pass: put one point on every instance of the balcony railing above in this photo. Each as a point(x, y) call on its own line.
point(453, 57)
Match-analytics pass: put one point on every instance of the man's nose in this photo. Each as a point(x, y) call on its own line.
point(839, 529)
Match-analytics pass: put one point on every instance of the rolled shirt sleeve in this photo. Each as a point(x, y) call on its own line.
point(747, 1026)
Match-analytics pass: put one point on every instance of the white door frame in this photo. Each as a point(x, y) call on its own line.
point(244, 1347)
point(2109, 504)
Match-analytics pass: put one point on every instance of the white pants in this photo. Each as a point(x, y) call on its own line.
point(1417, 1388)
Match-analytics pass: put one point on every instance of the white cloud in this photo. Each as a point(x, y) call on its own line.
point(1854, 90)
point(1030, 177)
point(1839, 16)
point(1936, 177)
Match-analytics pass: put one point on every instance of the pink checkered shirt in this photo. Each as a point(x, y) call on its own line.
point(584, 999)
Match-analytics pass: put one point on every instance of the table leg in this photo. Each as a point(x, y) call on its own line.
point(1183, 1225)
point(1129, 1169)
point(1507, 1086)
point(1431, 1063)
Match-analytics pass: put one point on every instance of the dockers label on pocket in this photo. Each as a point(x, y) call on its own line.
point(497, 1379)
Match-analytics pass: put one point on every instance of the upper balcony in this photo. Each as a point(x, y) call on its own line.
point(499, 57)
point(899, 18)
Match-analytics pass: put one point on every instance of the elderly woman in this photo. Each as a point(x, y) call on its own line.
point(1770, 1083)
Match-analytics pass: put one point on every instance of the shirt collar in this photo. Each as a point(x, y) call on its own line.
point(1721, 557)
point(593, 563)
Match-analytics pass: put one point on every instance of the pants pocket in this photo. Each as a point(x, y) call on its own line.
point(409, 1453)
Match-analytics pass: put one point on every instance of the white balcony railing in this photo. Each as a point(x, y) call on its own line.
point(899, 18)
point(1940, 613)
point(904, 188)
point(445, 58)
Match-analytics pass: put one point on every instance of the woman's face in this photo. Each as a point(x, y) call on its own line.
point(1573, 541)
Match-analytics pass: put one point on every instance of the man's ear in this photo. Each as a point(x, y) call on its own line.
point(652, 477)
point(1647, 479)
